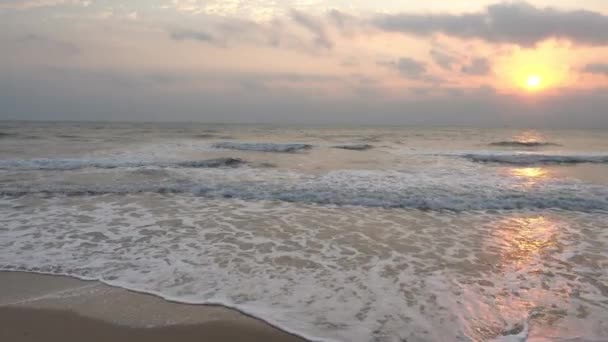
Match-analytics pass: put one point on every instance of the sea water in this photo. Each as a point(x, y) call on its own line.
point(332, 233)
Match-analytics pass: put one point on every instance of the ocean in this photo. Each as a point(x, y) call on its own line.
point(331, 233)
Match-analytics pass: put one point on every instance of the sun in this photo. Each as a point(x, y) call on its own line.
point(542, 69)
point(533, 82)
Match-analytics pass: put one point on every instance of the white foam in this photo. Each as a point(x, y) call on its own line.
point(327, 273)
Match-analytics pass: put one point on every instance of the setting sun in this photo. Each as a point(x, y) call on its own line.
point(533, 82)
point(534, 70)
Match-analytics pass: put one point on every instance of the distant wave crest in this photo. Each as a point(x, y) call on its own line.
point(263, 147)
point(515, 143)
point(535, 159)
point(6, 135)
point(356, 147)
point(75, 164)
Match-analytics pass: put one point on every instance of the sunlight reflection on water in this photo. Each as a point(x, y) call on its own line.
point(513, 298)
point(530, 175)
point(525, 238)
point(529, 136)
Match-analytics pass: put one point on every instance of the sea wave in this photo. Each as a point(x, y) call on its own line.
point(532, 159)
point(351, 188)
point(7, 135)
point(205, 136)
point(515, 143)
point(357, 147)
point(263, 147)
point(75, 164)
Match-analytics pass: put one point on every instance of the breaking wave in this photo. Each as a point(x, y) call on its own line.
point(532, 159)
point(75, 164)
point(353, 188)
point(264, 147)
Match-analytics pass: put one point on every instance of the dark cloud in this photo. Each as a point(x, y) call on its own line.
point(315, 26)
point(510, 22)
point(346, 24)
point(477, 67)
point(410, 67)
point(518, 23)
point(275, 34)
point(443, 59)
point(339, 19)
point(192, 35)
point(230, 31)
point(407, 67)
point(598, 68)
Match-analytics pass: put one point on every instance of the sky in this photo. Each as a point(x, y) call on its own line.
point(537, 63)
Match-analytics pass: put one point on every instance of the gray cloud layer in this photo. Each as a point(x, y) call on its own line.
point(74, 95)
point(304, 33)
point(193, 35)
point(509, 22)
point(601, 69)
point(518, 23)
point(443, 59)
point(410, 68)
point(477, 67)
point(316, 27)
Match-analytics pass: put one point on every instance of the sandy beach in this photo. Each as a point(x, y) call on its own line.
point(50, 308)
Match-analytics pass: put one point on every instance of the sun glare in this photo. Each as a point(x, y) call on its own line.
point(535, 70)
point(533, 82)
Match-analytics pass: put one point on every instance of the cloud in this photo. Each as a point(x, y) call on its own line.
point(315, 26)
point(252, 9)
point(407, 67)
point(25, 48)
point(233, 31)
point(477, 67)
point(346, 24)
point(598, 69)
point(443, 59)
point(192, 35)
point(517, 23)
point(49, 43)
point(286, 35)
point(102, 95)
point(29, 4)
point(151, 78)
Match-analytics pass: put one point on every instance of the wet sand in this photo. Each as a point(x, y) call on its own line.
point(60, 309)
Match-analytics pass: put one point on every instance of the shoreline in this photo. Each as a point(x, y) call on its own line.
point(36, 307)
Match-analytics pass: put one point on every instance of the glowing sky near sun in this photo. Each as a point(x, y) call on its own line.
point(251, 60)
